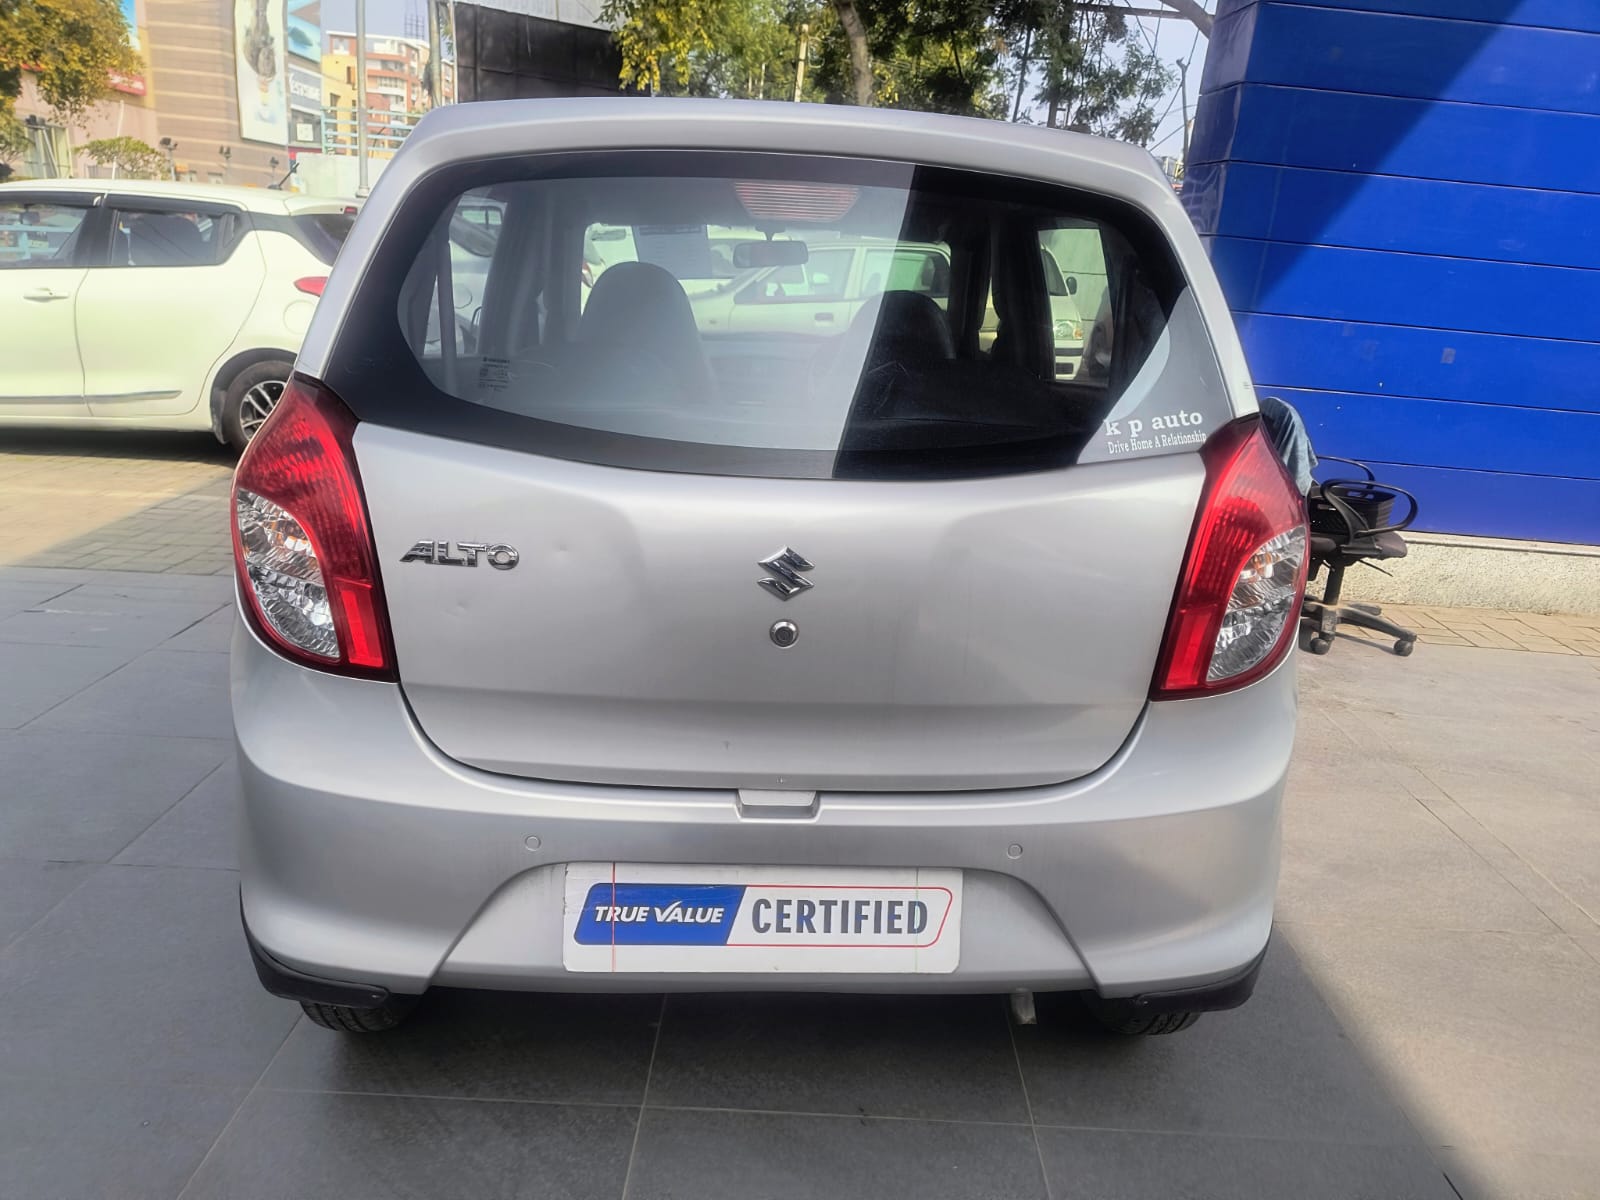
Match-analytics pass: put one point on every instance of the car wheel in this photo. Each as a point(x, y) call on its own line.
point(250, 399)
point(1122, 1017)
point(342, 1019)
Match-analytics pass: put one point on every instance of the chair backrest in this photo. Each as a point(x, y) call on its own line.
point(1357, 509)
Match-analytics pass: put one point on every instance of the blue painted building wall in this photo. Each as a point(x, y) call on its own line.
point(1402, 200)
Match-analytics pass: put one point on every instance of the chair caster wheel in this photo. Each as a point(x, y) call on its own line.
point(1404, 648)
point(1320, 645)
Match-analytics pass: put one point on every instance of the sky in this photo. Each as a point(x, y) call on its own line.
point(1172, 39)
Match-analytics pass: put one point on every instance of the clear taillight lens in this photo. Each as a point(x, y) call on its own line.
point(301, 543)
point(1266, 594)
point(285, 577)
point(1234, 615)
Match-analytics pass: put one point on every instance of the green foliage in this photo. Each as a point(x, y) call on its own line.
point(1093, 70)
point(131, 157)
point(71, 46)
point(1088, 70)
point(13, 138)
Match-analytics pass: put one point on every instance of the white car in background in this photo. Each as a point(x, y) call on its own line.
point(153, 305)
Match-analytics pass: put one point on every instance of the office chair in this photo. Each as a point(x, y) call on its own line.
point(1352, 522)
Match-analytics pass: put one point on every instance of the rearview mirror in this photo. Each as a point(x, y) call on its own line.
point(770, 254)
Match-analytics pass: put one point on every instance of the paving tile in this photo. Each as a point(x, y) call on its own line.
point(37, 678)
point(1556, 830)
point(28, 890)
point(941, 1057)
point(212, 634)
point(487, 1046)
point(1278, 1067)
point(85, 796)
point(1356, 853)
point(161, 692)
point(1512, 1175)
point(72, 620)
point(201, 830)
point(71, 1140)
point(20, 594)
point(686, 1154)
point(139, 977)
point(1487, 1037)
point(1103, 1165)
point(302, 1144)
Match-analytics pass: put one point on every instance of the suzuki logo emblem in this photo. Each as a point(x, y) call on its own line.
point(786, 581)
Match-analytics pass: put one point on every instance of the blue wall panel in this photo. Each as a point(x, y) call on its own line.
point(1499, 504)
point(1387, 212)
point(1384, 135)
point(1477, 437)
point(1338, 356)
point(1409, 289)
point(1583, 15)
point(1422, 57)
point(1402, 201)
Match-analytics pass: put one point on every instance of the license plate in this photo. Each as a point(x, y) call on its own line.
point(639, 917)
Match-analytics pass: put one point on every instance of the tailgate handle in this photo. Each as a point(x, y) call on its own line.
point(766, 803)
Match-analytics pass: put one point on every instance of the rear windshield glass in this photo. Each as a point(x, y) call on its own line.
point(324, 232)
point(760, 314)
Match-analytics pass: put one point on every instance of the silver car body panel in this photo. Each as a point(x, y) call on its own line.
point(369, 855)
point(957, 635)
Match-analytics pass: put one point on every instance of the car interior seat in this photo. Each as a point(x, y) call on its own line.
point(639, 319)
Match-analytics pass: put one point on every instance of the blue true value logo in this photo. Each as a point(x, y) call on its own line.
point(658, 914)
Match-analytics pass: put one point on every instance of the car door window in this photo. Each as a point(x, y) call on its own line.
point(913, 270)
point(39, 235)
point(170, 238)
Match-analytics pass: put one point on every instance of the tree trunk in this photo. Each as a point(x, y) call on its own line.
point(855, 32)
point(1022, 75)
point(1191, 10)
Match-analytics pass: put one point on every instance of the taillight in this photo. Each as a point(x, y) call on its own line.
point(312, 285)
point(1234, 615)
point(301, 543)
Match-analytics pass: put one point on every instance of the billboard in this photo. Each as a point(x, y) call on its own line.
point(259, 66)
point(305, 30)
point(305, 106)
point(133, 85)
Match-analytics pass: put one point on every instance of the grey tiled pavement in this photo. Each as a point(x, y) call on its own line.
point(1428, 1006)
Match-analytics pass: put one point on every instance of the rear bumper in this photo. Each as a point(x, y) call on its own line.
point(371, 860)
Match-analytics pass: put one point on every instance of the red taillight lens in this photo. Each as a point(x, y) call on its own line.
point(301, 542)
point(1234, 615)
point(312, 285)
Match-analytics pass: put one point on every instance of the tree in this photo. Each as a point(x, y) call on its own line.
point(72, 47)
point(1096, 76)
point(128, 155)
point(1191, 11)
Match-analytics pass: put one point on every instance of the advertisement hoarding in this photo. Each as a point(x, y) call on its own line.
point(305, 106)
point(262, 77)
point(304, 31)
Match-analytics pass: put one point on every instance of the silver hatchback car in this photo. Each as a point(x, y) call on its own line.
point(584, 648)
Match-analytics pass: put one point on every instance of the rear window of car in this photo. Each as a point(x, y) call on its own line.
point(759, 314)
point(324, 233)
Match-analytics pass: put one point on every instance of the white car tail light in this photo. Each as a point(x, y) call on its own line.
point(301, 543)
point(1235, 612)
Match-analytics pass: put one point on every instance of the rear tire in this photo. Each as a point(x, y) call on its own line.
point(342, 1019)
point(1122, 1018)
point(251, 396)
point(1404, 648)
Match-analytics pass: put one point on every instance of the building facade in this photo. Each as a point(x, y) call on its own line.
point(1400, 198)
